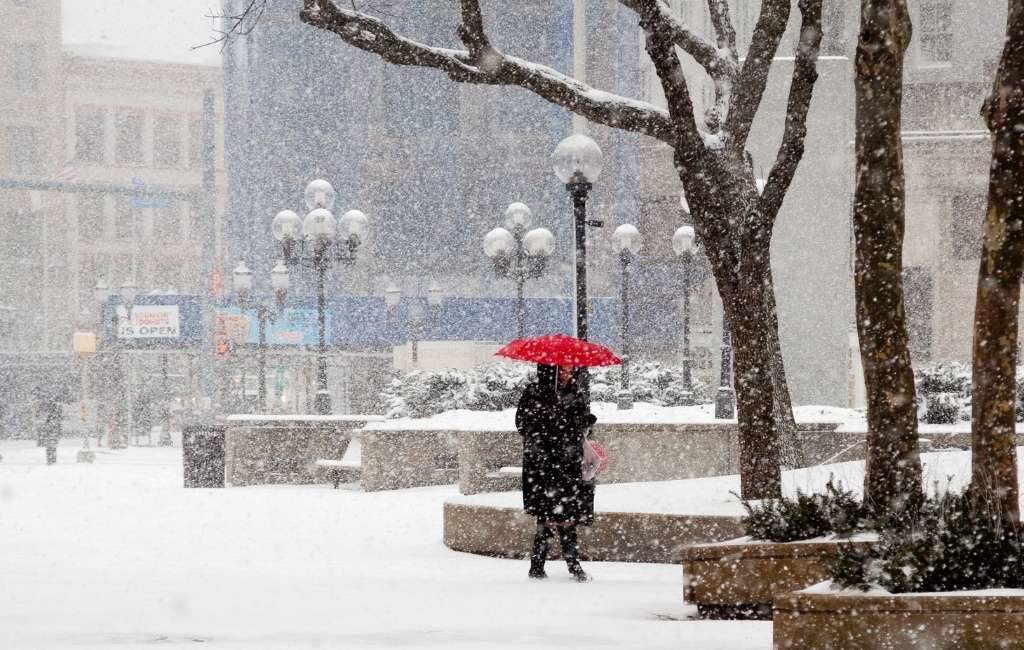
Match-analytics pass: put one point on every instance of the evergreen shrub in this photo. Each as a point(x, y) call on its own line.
point(807, 516)
point(940, 543)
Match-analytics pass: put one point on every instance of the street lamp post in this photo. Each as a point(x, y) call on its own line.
point(577, 163)
point(627, 243)
point(519, 254)
point(683, 242)
point(319, 245)
point(725, 398)
point(414, 317)
point(103, 293)
point(279, 281)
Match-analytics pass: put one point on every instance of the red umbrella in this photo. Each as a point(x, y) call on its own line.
point(559, 350)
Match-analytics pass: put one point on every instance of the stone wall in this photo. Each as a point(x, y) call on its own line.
point(393, 460)
point(259, 451)
point(639, 452)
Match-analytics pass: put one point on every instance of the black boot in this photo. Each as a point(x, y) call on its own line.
point(540, 551)
point(571, 553)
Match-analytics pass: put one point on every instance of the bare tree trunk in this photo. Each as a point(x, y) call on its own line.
point(747, 305)
point(791, 453)
point(993, 449)
point(893, 463)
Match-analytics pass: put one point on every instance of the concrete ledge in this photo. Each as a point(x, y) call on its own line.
point(614, 537)
point(885, 621)
point(741, 580)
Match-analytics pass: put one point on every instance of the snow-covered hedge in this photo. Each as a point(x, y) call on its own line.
point(497, 386)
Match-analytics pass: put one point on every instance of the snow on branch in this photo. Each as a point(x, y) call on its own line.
point(483, 64)
point(753, 77)
point(805, 73)
point(719, 63)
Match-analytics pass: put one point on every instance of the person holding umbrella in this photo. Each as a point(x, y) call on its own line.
point(554, 420)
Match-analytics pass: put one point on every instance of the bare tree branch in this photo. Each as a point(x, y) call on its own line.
point(719, 11)
point(717, 63)
point(471, 31)
point(805, 73)
point(495, 68)
point(753, 77)
point(661, 49)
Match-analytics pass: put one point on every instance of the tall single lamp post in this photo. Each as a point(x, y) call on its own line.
point(279, 281)
point(577, 163)
point(315, 243)
point(519, 254)
point(627, 242)
point(684, 244)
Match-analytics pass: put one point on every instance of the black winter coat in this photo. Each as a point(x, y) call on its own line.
point(553, 422)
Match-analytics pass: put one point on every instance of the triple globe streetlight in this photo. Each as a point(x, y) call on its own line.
point(519, 254)
point(316, 242)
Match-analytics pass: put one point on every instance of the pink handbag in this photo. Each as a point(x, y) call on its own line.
point(595, 459)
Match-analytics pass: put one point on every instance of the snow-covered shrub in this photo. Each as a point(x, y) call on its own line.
point(944, 392)
point(497, 386)
point(941, 543)
point(805, 517)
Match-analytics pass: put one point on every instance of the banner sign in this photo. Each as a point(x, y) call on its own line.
point(151, 322)
point(295, 326)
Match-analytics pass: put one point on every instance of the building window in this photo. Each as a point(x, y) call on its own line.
point(91, 218)
point(167, 224)
point(935, 33)
point(24, 59)
point(22, 150)
point(128, 125)
point(125, 217)
point(917, 299)
point(967, 211)
point(89, 134)
point(166, 141)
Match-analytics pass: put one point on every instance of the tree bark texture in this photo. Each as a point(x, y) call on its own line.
point(893, 463)
point(734, 221)
point(993, 449)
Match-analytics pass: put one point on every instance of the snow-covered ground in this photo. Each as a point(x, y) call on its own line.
point(119, 554)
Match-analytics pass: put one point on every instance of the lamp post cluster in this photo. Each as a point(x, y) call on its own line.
point(415, 317)
point(316, 242)
point(519, 254)
point(243, 282)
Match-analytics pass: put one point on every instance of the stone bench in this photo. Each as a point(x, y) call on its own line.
point(337, 469)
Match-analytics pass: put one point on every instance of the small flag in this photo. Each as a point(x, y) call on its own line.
point(66, 174)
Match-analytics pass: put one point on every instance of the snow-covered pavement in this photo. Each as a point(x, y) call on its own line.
point(119, 554)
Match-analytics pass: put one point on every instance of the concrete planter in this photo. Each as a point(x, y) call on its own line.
point(741, 580)
point(853, 621)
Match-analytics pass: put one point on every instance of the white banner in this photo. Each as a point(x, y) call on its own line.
point(151, 322)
